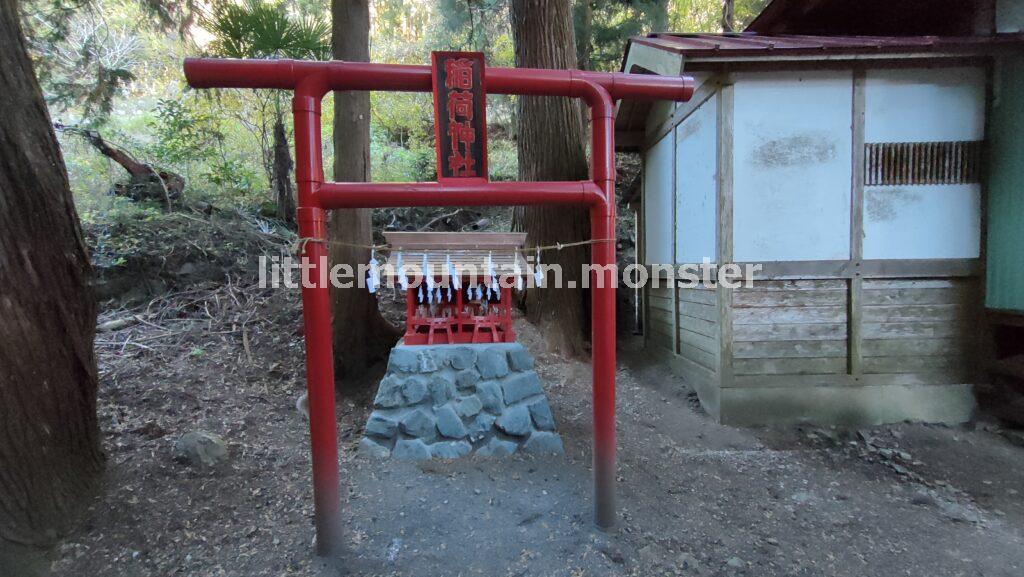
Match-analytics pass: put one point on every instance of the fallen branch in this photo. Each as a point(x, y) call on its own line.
point(145, 182)
point(117, 324)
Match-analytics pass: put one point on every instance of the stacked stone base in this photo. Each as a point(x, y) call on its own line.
point(449, 401)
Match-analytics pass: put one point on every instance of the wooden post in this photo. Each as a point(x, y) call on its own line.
point(854, 318)
point(724, 251)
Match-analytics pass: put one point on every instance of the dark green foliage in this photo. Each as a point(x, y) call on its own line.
point(188, 133)
point(90, 53)
point(184, 132)
point(471, 24)
point(95, 94)
point(172, 13)
point(603, 26)
point(231, 175)
point(83, 62)
point(260, 29)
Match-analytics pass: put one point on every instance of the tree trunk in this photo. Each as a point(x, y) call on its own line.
point(584, 33)
point(551, 147)
point(728, 15)
point(361, 335)
point(282, 169)
point(50, 458)
point(658, 15)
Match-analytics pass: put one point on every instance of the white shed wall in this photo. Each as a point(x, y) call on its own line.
point(1009, 15)
point(791, 167)
point(696, 184)
point(924, 104)
point(657, 202)
point(928, 221)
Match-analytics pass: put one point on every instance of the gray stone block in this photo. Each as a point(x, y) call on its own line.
point(379, 425)
point(468, 405)
point(490, 395)
point(418, 423)
point(497, 448)
point(448, 423)
point(481, 426)
point(461, 358)
point(447, 401)
point(199, 448)
point(402, 359)
point(540, 410)
point(411, 450)
point(389, 394)
point(373, 449)
point(492, 363)
point(414, 389)
point(425, 361)
point(442, 388)
point(521, 385)
point(467, 379)
point(450, 449)
point(520, 359)
point(544, 442)
point(515, 421)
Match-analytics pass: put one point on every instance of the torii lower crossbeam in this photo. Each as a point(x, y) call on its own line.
point(310, 82)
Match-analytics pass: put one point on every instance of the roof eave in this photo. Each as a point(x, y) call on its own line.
point(833, 57)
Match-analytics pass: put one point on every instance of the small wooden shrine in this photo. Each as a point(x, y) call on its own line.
point(458, 286)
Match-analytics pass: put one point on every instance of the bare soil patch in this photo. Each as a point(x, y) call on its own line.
point(696, 498)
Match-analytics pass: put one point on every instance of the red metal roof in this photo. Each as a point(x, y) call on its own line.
point(747, 44)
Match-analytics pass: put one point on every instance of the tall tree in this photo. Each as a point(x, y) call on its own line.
point(50, 458)
point(728, 15)
point(583, 22)
point(603, 26)
point(261, 29)
point(361, 335)
point(551, 147)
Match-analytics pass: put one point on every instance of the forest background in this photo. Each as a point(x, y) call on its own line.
point(113, 68)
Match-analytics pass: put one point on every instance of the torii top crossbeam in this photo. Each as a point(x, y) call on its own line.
point(310, 82)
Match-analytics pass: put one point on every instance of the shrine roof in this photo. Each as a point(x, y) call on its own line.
point(468, 252)
point(455, 240)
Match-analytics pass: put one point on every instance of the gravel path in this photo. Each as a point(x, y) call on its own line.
point(696, 498)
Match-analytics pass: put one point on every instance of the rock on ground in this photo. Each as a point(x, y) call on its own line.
point(201, 449)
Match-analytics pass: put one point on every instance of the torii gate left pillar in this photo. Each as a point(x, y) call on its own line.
point(310, 82)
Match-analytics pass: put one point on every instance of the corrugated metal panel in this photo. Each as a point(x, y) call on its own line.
point(1005, 267)
point(899, 163)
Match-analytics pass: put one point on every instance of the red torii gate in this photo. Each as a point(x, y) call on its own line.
point(310, 82)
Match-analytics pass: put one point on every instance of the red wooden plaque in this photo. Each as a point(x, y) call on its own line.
point(460, 114)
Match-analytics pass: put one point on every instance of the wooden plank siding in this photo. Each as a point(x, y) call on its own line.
point(660, 325)
point(790, 327)
point(914, 326)
point(698, 326)
point(927, 329)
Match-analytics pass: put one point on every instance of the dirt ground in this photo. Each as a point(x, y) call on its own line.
point(695, 498)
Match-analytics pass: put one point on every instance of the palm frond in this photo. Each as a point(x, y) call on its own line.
point(262, 29)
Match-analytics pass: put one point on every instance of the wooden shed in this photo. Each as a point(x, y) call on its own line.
point(851, 169)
